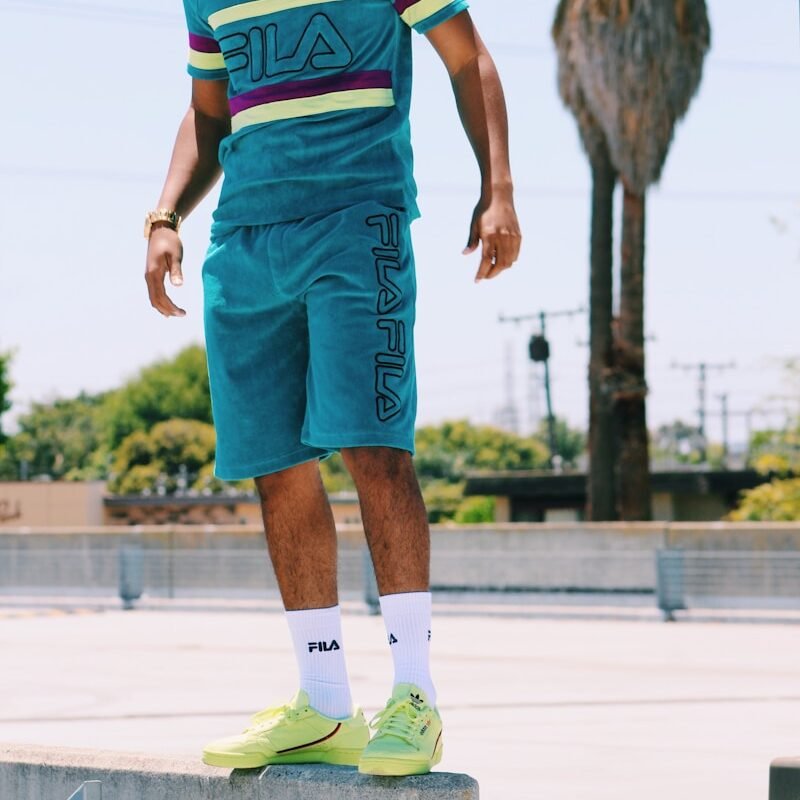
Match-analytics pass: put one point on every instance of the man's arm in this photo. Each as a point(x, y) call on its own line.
point(481, 105)
point(193, 171)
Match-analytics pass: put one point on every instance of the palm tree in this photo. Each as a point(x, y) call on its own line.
point(632, 67)
point(600, 488)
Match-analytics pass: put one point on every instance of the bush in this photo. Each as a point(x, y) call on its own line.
point(475, 509)
point(778, 501)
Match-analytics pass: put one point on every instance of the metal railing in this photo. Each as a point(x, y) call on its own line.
point(132, 570)
point(679, 579)
point(750, 579)
point(90, 790)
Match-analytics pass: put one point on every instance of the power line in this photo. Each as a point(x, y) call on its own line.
point(93, 11)
point(32, 172)
point(526, 51)
point(680, 195)
point(76, 174)
point(138, 15)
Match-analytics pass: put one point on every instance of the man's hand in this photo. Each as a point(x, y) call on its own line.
point(164, 257)
point(495, 225)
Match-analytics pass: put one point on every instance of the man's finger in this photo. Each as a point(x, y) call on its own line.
point(175, 272)
point(488, 257)
point(515, 243)
point(167, 307)
point(507, 247)
point(505, 258)
point(159, 298)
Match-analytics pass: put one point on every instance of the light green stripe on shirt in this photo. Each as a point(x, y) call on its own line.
point(258, 8)
point(208, 61)
point(422, 10)
point(308, 106)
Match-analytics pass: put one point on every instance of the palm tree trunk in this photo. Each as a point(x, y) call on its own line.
point(600, 488)
point(633, 466)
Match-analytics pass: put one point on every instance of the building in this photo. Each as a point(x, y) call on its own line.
point(687, 495)
point(236, 508)
point(74, 503)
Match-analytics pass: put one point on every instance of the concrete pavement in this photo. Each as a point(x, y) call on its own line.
point(33, 773)
point(533, 708)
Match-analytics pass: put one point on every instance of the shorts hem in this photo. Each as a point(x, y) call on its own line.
point(276, 464)
point(363, 439)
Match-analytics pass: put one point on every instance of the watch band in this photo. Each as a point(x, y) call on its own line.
point(172, 218)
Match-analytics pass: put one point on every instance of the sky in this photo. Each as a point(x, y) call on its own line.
point(94, 93)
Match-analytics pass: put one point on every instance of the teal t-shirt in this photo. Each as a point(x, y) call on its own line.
point(319, 93)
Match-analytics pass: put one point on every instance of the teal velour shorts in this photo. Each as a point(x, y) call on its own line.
point(309, 335)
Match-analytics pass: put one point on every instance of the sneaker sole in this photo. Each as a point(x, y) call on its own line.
point(343, 757)
point(399, 767)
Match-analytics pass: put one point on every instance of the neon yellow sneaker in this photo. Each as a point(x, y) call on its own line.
point(408, 736)
point(292, 734)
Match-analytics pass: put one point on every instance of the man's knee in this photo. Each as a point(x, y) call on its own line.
point(377, 462)
point(299, 478)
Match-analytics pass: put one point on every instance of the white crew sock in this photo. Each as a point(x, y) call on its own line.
point(317, 637)
point(407, 617)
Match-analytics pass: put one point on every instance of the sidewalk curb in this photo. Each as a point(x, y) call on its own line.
point(29, 772)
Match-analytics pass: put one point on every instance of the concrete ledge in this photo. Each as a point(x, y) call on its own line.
point(784, 779)
point(32, 773)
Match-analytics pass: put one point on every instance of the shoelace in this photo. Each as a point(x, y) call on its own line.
point(269, 716)
point(400, 718)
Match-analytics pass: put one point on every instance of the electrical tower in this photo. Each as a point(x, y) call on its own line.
point(507, 416)
point(539, 351)
point(702, 368)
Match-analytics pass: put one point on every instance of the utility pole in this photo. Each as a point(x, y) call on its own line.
point(507, 416)
point(539, 350)
point(726, 413)
point(702, 368)
point(723, 399)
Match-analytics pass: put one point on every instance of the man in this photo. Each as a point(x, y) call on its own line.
point(309, 310)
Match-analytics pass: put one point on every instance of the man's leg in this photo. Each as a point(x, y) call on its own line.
point(394, 517)
point(301, 536)
point(408, 731)
point(396, 527)
point(319, 724)
point(361, 390)
point(251, 322)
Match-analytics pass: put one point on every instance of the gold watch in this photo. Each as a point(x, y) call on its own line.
point(172, 219)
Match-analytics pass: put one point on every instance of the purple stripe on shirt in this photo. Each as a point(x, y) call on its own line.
point(402, 5)
point(291, 90)
point(204, 44)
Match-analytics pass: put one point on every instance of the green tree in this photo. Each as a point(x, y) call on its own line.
point(570, 442)
point(335, 476)
point(475, 509)
point(175, 388)
point(631, 70)
point(173, 454)
point(446, 452)
point(63, 439)
point(442, 499)
point(776, 501)
point(775, 453)
point(5, 389)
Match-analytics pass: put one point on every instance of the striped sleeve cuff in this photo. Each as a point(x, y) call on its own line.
point(423, 15)
point(205, 58)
